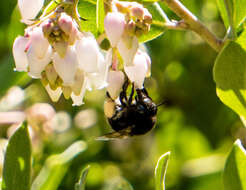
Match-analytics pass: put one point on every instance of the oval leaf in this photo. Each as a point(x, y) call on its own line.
point(230, 77)
point(56, 166)
point(234, 175)
point(160, 171)
point(17, 161)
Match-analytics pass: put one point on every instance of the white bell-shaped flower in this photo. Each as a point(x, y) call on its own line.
point(99, 80)
point(138, 71)
point(87, 51)
point(54, 94)
point(29, 9)
point(66, 66)
point(78, 82)
point(37, 65)
point(39, 43)
point(78, 100)
point(114, 24)
point(128, 47)
point(115, 82)
point(19, 53)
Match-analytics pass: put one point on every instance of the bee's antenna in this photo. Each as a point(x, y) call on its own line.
point(162, 103)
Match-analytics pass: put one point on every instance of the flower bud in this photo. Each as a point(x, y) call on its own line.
point(19, 53)
point(87, 51)
point(115, 82)
point(66, 67)
point(114, 24)
point(128, 47)
point(29, 9)
point(39, 113)
point(137, 12)
point(138, 71)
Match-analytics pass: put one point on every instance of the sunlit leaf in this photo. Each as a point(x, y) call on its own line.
point(158, 17)
point(17, 162)
point(160, 171)
point(230, 77)
point(87, 10)
point(81, 183)
point(118, 183)
point(233, 10)
point(56, 166)
point(235, 168)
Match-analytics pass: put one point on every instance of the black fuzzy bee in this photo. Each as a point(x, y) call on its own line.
point(132, 116)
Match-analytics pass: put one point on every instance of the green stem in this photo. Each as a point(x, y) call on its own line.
point(232, 32)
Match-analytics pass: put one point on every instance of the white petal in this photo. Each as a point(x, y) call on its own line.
point(66, 67)
point(19, 53)
point(138, 71)
point(128, 47)
point(78, 82)
point(36, 65)
point(115, 82)
point(114, 24)
point(78, 100)
point(54, 94)
point(88, 51)
point(29, 8)
point(39, 43)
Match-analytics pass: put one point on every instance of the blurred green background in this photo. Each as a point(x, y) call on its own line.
point(194, 125)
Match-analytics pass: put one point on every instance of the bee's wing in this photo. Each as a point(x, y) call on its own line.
point(122, 134)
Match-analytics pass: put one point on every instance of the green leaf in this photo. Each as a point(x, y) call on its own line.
point(230, 77)
point(17, 162)
point(160, 171)
point(10, 77)
point(100, 16)
point(234, 175)
point(158, 17)
point(56, 166)
point(233, 12)
point(118, 183)
point(81, 184)
point(87, 10)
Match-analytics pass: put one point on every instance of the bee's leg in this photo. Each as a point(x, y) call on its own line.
point(123, 96)
point(108, 96)
point(131, 95)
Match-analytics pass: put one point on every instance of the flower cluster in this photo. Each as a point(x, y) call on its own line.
point(69, 61)
point(123, 25)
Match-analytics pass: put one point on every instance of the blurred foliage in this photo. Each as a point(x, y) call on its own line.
point(194, 125)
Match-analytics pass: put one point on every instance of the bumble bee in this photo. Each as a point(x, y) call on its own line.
point(132, 116)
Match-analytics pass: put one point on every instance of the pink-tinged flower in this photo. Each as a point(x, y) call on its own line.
point(138, 71)
point(115, 82)
point(128, 47)
point(88, 54)
point(66, 66)
point(39, 43)
point(114, 24)
point(19, 53)
point(67, 24)
point(29, 9)
point(36, 64)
